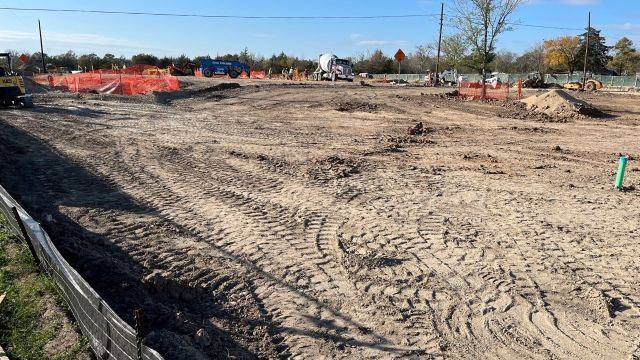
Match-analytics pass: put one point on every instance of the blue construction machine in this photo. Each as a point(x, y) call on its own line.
point(210, 67)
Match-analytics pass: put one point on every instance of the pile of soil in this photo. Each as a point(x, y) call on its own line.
point(33, 87)
point(419, 129)
point(558, 103)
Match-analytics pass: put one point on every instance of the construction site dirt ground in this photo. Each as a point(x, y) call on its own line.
point(306, 221)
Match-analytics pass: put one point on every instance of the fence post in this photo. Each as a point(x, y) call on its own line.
point(26, 236)
point(520, 89)
point(137, 314)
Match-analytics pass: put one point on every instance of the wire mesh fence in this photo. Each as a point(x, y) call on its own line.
point(629, 81)
point(109, 336)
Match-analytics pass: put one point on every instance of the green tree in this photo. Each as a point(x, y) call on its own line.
point(478, 61)
point(182, 61)
point(89, 62)
point(454, 49)
point(598, 56)
point(626, 59)
point(145, 59)
point(379, 63)
point(35, 61)
point(68, 60)
point(164, 62)
point(245, 56)
point(107, 61)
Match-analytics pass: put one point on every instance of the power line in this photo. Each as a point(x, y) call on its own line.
point(533, 25)
point(109, 12)
point(544, 27)
point(258, 17)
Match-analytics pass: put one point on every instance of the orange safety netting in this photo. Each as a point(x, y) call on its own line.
point(258, 74)
point(474, 90)
point(109, 83)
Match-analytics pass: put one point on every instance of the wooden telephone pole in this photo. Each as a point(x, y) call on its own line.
point(439, 45)
point(44, 66)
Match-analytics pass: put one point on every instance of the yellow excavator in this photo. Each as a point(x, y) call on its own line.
point(12, 89)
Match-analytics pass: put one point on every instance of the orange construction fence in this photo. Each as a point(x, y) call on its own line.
point(110, 83)
point(474, 90)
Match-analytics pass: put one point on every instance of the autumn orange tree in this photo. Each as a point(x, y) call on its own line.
point(561, 53)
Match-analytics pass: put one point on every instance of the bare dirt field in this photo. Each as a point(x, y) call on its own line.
point(318, 221)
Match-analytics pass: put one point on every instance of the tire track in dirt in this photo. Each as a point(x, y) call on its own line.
point(383, 262)
point(260, 222)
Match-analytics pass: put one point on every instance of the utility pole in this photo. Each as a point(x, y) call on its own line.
point(586, 54)
point(44, 66)
point(439, 44)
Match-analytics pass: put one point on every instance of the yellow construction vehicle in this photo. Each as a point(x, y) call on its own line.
point(12, 89)
point(592, 85)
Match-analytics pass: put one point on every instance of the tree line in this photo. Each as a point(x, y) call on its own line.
point(564, 54)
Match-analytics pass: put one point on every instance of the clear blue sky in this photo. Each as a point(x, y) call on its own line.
point(128, 34)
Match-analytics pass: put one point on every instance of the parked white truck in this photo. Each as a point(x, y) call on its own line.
point(332, 68)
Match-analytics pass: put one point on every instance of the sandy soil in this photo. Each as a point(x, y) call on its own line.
point(305, 221)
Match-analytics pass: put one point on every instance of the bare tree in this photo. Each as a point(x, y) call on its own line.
point(423, 55)
point(481, 22)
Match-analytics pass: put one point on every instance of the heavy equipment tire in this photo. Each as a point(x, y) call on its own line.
point(350, 80)
point(207, 72)
point(591, 86)
point(233, 74)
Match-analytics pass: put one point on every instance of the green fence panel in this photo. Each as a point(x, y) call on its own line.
point(607, 80)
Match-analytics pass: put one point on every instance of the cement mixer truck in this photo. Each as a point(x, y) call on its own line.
point(332, 68)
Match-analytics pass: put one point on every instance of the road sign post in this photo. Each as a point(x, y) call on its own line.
point(400, 56)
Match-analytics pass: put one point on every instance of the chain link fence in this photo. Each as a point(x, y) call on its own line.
point(630, 81)
point(109, 336)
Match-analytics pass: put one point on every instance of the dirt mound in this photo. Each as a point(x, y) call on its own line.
point(558, 102)
point(33, 87)
point(419, 129)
